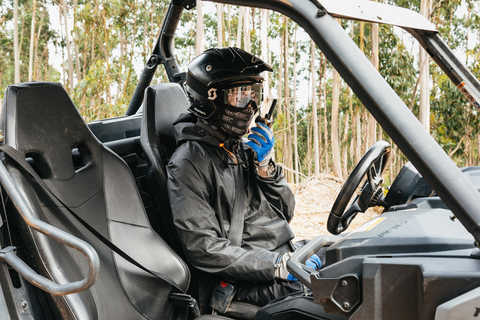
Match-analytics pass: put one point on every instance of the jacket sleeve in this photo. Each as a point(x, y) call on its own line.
point(278, 193)
point(203, 241)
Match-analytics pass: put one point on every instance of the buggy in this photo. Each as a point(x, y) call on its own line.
point(86, 231)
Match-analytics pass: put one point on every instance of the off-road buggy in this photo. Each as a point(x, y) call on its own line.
point(86, 222)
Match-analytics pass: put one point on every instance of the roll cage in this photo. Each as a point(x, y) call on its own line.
point(317, 17)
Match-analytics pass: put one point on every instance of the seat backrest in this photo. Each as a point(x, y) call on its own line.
point(162, 105)
point(42, 123)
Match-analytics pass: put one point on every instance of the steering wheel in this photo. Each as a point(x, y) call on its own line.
point(372, 165)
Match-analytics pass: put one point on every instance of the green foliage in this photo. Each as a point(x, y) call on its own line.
point(453, 116)
point(397, 64)
point(7, 66)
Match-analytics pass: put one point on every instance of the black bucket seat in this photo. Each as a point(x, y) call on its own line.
point(40, 121)
point(163, 104)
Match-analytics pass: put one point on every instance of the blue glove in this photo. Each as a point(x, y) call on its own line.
point(312, 262)
point(261, 141)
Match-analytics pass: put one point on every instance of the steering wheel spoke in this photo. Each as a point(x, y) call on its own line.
point(371, 166)
point(349, 215)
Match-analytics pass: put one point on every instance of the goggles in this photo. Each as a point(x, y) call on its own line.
point(241, 96)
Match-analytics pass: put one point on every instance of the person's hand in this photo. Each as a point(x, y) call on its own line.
point(312, 262)
point(281, 271)
point(261, 141)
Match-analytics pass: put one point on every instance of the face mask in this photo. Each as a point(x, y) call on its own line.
point(236, 121)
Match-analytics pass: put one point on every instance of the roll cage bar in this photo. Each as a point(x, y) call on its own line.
point(318, 20)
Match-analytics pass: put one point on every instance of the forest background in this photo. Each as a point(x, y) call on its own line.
point(97, 50)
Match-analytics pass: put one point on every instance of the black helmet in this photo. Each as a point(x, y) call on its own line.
point(220, 73)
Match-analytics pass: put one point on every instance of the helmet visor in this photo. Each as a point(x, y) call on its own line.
point(241, 96)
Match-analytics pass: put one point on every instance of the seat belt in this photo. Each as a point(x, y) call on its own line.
point(178, 295)
point(235, 234)
point(224, 291)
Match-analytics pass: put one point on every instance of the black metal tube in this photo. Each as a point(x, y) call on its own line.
point(162, 53)
point(144, 81)
point(444, 57)
point(453, 68)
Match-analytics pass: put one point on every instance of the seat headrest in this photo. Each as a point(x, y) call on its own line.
point(168, 101)
point(40, 120)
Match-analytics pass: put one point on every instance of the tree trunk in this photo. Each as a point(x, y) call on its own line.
point(241, 13)
point(69, 54)
point(76, 46)
point(423, 61)
point(372, 124)
point(309, 144)
point(246, 30)
point(32, 41)
point(16, 48)
point(345, 146)
point(107, 57)
point(220, 28)
point(228, 22)
point(281, 101)
point(23, 32)
point(325, 123)
point(37, 37)
point(325, 139)
point(358, 137)
point(352, 138)
point(64, 68)
point(199, 44)
point(288, 136)
point(264, 57)
point(316, 143)
point(363, 145)
point(295, 128)
point(129, 63)
point(353, 145)
point(337, 169)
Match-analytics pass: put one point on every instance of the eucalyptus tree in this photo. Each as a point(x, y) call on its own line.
point(199, 40)
point(121, 35)
point(424, 77)
point(448, 105)
point(120, 39)
point(337, 168)
point(24, 52)
point(16, 48)
point(32, 41)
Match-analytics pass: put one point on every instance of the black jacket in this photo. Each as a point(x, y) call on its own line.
point(203, 185)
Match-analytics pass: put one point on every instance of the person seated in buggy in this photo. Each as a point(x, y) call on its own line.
point(230, 203)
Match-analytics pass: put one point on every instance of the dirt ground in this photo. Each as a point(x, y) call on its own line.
point(314, 199)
